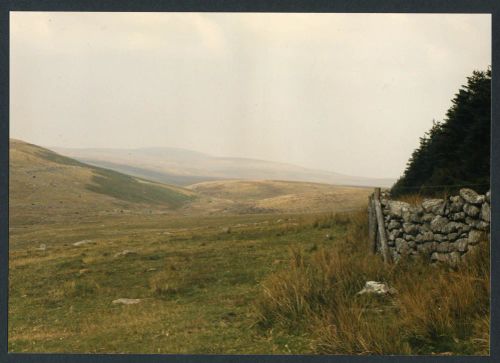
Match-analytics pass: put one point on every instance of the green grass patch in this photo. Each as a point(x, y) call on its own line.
point(129, 189)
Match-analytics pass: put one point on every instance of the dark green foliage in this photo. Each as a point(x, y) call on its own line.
point(456, 151)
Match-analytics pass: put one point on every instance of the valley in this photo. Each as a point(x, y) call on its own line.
point(83, 236)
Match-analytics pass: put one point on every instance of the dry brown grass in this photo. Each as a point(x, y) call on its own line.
point(412, 199)
point(437, 309)
point(282, 196)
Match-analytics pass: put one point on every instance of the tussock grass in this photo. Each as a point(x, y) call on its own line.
point(437, 309)
point(331, 220)
point(412, 199)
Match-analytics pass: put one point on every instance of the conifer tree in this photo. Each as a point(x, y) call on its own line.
point(456, 151)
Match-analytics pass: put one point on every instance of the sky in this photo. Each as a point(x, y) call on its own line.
point(350, 93)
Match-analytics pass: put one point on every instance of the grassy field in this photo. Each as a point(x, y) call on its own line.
point(197, 281)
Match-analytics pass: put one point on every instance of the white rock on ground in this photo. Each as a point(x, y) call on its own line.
point(125, 253)
point(126, 301)
point(375, 287)
point(83, 242)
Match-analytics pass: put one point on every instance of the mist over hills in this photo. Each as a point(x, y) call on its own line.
point(185, 167)
point(47, 186)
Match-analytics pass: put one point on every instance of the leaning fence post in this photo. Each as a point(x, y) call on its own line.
point(372, 224)
point(380, 226)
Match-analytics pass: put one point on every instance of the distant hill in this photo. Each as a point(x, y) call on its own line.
point(282, 196)
point(184, 167)
point(456, 151)
point(43, 183)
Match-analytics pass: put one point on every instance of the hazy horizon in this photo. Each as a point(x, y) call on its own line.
point(348, 93)
point(57, 148)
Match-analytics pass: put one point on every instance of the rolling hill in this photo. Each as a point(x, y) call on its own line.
point(47, 186)
point(44, 183)
point(184, 167)
point(282, 196)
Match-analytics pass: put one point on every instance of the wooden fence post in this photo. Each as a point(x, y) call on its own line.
point(372, 223)
point(380, 226)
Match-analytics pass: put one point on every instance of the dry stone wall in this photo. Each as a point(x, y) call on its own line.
point(439, 229)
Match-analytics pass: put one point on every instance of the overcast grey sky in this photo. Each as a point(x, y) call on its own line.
point(350, 93)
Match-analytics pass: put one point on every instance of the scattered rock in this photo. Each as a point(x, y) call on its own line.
point(83, 271)
point(125, 253)
point(83, 242)
point(379, 288)
point(126, 301)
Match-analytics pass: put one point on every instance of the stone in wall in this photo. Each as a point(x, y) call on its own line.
point(471, 210)
point(393, 225)
point(470, 196)
point(434, 206)
point(438, 223)
point(457, 204)
point(395, 208)
point(486, 212)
